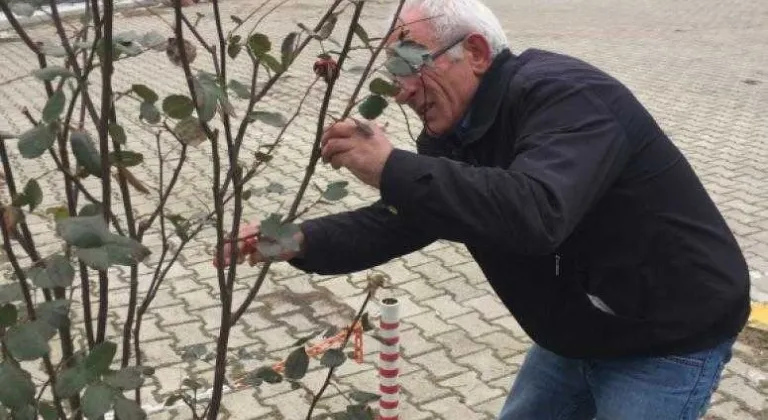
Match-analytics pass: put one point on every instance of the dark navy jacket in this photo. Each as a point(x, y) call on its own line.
point(562, 186)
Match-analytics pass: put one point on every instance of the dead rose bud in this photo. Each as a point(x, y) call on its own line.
point(174, 54)
point(325, 67)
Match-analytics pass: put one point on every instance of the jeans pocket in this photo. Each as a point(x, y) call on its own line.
point(686, 360)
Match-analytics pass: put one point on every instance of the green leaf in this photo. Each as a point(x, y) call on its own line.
point(288, 48)
point(129, 377)
point(234, 46)
point(372, 107)
point(180, 225)
point(126, 409)
point(98, 360)
point(83, 231)
point(336, 191)
point(274, 119)
point(191, 384)
point(241, 90)
point(71, 381)
point(194, 352)
point(262, 157)
point(58, 212)
point(145, 93)
point(97, 400)
point(17, 389)
point(297, 364)
point(278, 237)
point(178, 106)
point(55, 313)
point(22, 9)
point(92, 209)
point(259, 44)
point(382, 87)
point(207, 92)
point(118, 133)
point(328, 27)
point(190, 131)
point(363, 397)
point(275, 187)
point(268, 375)
point(33, 193)
point(271, 63)
point(359, 412)
point(11, 293)
point(85, 152)
point(362, 34)
point(96, 258)
point(303, 340)
point(54, 106)
point(51, 72)
point(154, 40)
point(34, 142)
point(149, 112)
point(8, 315)
point(25, 413)
point(27, 341)
point(125, 158)
point(333, 358)
point(58, 272)
point(173, 399)
point(47, 411)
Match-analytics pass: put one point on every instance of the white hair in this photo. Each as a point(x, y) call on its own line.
point(454, 18)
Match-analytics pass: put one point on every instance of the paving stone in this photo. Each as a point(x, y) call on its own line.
point(412, 342)
point(421, 387)
point(438, 363)
point(503, 343)
point(462, 290)
point(446, 307)
point(453, 409)
point(727, 411)
point(430, 324)
point(472, 390)
point(420, 289)
point(435, 272)
point(487, 365)
point(738, 388)
point(458, 343)
point(489, 306)
point(473, 324)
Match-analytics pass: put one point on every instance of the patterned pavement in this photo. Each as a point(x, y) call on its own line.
point(699, 65)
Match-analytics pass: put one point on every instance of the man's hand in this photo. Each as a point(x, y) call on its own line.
point(362, 150)
point(247, 243)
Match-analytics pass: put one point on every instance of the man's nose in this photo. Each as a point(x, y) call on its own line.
point(407, 87)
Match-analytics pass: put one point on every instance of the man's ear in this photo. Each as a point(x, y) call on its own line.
point(477, 52)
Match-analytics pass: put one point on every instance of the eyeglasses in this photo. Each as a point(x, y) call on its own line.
point(411, 57)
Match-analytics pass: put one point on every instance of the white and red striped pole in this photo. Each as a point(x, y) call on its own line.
point(389, 360)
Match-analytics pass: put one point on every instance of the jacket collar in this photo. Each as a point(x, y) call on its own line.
point(483, 109)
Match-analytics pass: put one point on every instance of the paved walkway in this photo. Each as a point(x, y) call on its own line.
point(700, 67)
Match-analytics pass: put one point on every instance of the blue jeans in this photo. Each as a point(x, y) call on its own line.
point(551, 387)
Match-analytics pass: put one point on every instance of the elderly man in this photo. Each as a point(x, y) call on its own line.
point(586, 219)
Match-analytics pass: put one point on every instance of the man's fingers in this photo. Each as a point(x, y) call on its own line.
point(335, 146)
point(345, 128)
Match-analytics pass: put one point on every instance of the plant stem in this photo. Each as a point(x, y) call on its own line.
point(27, 295)
point(331, 370)
point(106, 184)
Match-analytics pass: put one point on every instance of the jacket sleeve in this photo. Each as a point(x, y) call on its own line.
point(356, 240)
point(569, 150)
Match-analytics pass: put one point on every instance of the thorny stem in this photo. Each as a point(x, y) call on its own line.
point(323, 111)
point(331, 370)
point(272, 80)
point(106, 184)
point(26, 293)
